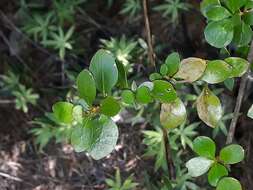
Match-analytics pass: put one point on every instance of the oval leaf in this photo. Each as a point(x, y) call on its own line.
point(232, 154)
point(206, 4)
point(173, 114)
point(209, 108)
point(198, 166)
point(128, 97)
point(143, 95)
point(107, 139)
point(229, 183)
point(104, 70)
point(242, 34)
point(163, 91)
point(216, 13)
point(204, 146)
point(219, 33)
point(109, 106)
point(172, 62)
point(63, 112)
point(216, 71)
point(86, 86)
point(238, 65)
point(188, 67)
point(216, 172)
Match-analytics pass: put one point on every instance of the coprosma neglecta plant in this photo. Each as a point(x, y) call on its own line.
point(93, 130)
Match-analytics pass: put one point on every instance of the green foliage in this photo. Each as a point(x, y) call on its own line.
point(131, 8)
point(60, 41)
point(217, 166)
point(171, 9)
point(118, 184)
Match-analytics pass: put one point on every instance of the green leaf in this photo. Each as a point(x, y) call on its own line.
point(172, 62)
point(84, 136)
point(216, 71)
point(86, 86)
point(242, 34)
point(107, 139)
point(229, 84)
point(173, 114)
point(250, 112)
point(63, 112)
point(229, 183)
point(128, 97)
point(143, 95)
point(122, 81)
point(104, 70)
point(209, 108)
point(232, 154)
point(78, 113)
point(155, 76)
point(216, 13)
point(163, 70)
point(219, 33)
point(206, 4)
point(239, 66)
point(204, 146)
point(163, 91)
point(216, 172)
point(198, 166)
point(109, 106)
point(234, 5)
point(248, 17)
point(188, 67)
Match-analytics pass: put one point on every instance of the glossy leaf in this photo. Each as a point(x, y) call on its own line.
point(164, 91)
point(219, 33)
point(238, 65)
point(63, 112)
point(172, 62)
point(104, 70)
point(216, 71)
point(198, 166)
point(188, 67)
point(204, 146)
point(107, 139)
point(128, 97)
point(206, 4)
point(216, 172)
point(86, 86)
point(217, 12)
point(109, 106)
point(143, 95)
point(232, 154)
point(209, 108)
point(122, 81)
point(242, 34)
point(173, 114)
point(229, 183)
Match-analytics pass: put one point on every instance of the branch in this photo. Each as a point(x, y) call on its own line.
point(151, 54)
point(239, 99)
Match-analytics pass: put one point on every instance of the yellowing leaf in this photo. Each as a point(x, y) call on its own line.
point(191, 69)
point(172, 114)
point(209, 108)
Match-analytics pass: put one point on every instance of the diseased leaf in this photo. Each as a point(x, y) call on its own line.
point(209, 108)
point(216, 71)
point(104, 70)
point(238, 65)
point(229, 183)
point(86, 86)
point(172, 62)
point(204, 146)
point(173, 114)
point(216, 172)
point(109, 106)
point(63, 112)
point(232, 154)
point(198, 166)
point(164, 91)
point(219, 33)
point(188, 67)
point(107, 139)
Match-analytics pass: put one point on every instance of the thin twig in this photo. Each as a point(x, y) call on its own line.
point(170, 164)
point(239, 99)
point(10, 177)
point(151, 53)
